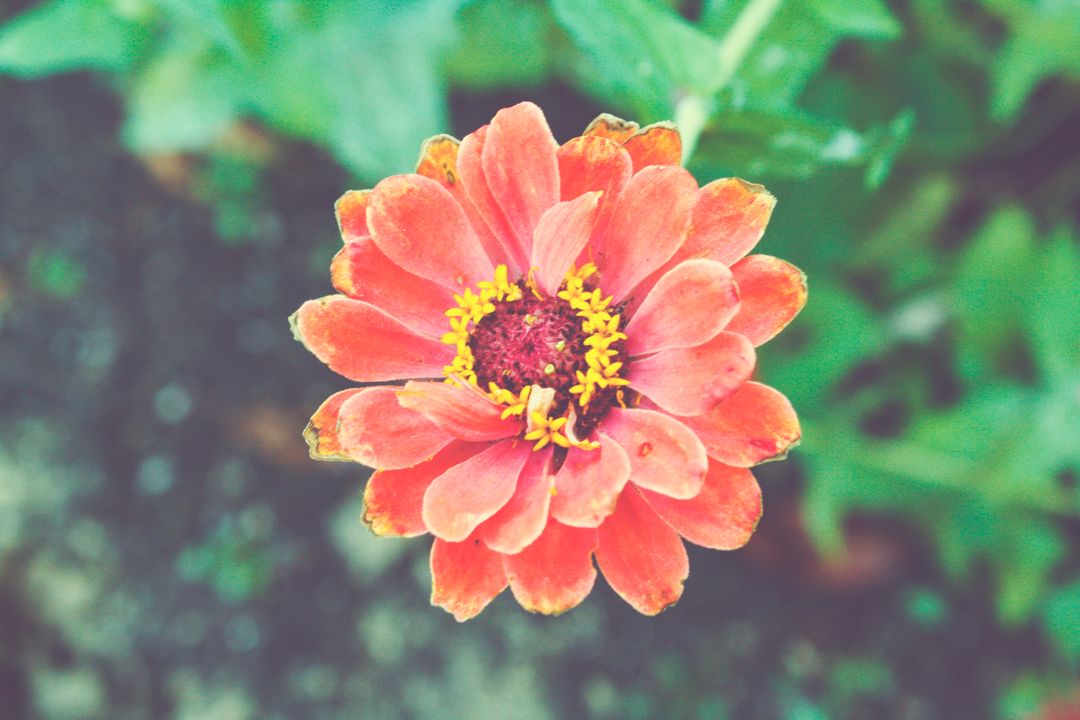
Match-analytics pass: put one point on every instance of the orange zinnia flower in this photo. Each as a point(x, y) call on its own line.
point(582, 322)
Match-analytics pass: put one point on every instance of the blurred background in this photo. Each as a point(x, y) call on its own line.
point(167, 176)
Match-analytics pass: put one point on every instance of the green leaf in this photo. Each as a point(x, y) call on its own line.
point(184, 97)
point(767, 143)
point(1053, 313)
point(832, 333)
point(1044, 41)
point(790, 51)
point(65, 35)
point(370, 97)
point(796, 45)
point(502, 43)
point(648, 55)
point(1061, 621)
point(1026, 554)
point(208, 18)
point(861, 18)
point(887, 143)
point(993, 283)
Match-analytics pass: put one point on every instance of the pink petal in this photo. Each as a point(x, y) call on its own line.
point(321, 432)
point(648, 225)
point(439, 161)
point(394, 499)
point(474, 181)
point(665, 455)
point(375, 430)
point(361, 271)
point(555, 573)
point(351, 212)
point(589, 482)
point(521, 520)
point(417, 223)
point(364, 343)
point(466, 495)
point(658, 144)
point(641, 557)
point(722, 516)
point(773, 292)
point(730, 216)
point(688, 306)
point(690, 381)
point(465, 577)
point(755, 424)
point(560, 236)
point(464, 412)
point(521, 169)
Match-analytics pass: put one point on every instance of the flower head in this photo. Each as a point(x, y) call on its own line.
point(563, 340)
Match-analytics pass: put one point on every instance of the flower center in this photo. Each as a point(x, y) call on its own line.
point(553, 360)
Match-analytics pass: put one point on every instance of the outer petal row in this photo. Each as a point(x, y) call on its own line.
point(773, 293)
point(755, 424)
point(641, 556)
point(722, 516)
point(364, 343)
point(362, 271)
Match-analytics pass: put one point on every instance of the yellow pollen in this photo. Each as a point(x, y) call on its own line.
point(532, 405)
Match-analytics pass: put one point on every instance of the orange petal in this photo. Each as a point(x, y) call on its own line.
point(465, 577)
point(589, 482)
point(592, 163)
point(722, 516)
point(521, 520)
point(351, 212)
point(463, 412)
point(375, 430)
point(556, 572)
point(438, 161)
point(688, 306)
point(641, 556)
point(730, 216)
point(364, 343)
point(474, 181)
point(360, 270)
point(394, 499)
point(773, 292)
point(612, 128)
point(755, 424)
point(665, 455)
point(321, 432)
point(521, 169)
point(658, 144)
point(419, 225)
point(690, 381)
point(649, 223)
point(560, 236)
point(466, 495)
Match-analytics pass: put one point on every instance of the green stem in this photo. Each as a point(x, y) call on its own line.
point(692, 111)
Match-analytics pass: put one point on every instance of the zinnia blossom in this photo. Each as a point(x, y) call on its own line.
point(564, 337)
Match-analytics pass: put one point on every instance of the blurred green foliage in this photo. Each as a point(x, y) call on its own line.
point(926, 186)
